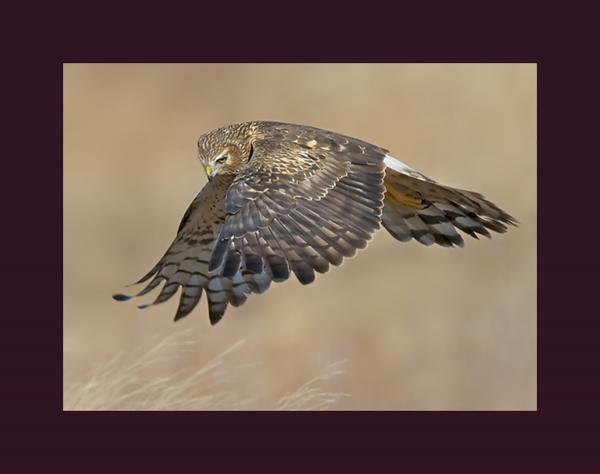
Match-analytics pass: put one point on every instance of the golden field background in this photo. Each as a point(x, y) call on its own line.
point(405, 327)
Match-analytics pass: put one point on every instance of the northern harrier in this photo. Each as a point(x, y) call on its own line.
point(284, 198)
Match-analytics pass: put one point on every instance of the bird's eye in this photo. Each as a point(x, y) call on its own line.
point(222, 159)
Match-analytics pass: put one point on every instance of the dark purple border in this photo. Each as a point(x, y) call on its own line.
point(36, 430)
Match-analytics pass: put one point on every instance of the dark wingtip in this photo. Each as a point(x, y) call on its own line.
point(182, 314)
point(459, 242)
point(121, 297)
point(513, 221)
point(215, 318)
point(305, 277)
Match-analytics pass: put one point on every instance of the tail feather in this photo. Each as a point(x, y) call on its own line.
point(416, 207)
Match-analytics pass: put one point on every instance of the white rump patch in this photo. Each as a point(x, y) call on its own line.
point(397, 165)
point(403, 168)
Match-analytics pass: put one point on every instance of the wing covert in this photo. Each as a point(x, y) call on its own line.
point(306, 199)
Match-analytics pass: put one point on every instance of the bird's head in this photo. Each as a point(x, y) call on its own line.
point(223, 153)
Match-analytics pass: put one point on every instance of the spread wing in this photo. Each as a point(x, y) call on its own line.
point(185, 263)
point(306, 199)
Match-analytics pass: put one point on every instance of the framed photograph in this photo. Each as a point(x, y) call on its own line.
point(345, 237)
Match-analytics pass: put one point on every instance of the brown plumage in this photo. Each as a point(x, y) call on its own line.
point(286, 198)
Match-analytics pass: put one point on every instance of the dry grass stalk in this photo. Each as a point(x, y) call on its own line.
point(129, 382)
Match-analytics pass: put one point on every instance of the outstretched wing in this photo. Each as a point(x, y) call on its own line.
point(185, 264)
point(306, 199)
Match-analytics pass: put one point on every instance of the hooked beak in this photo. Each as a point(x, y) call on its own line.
point(209, 172)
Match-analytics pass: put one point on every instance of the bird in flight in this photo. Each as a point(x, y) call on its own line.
point(284, 198)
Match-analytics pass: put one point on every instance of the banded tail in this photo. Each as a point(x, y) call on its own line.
point(416, 207)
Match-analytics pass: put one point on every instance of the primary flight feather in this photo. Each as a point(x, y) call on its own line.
point(285, 198)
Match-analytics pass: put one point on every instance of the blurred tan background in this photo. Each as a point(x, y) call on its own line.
point(413, 328)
